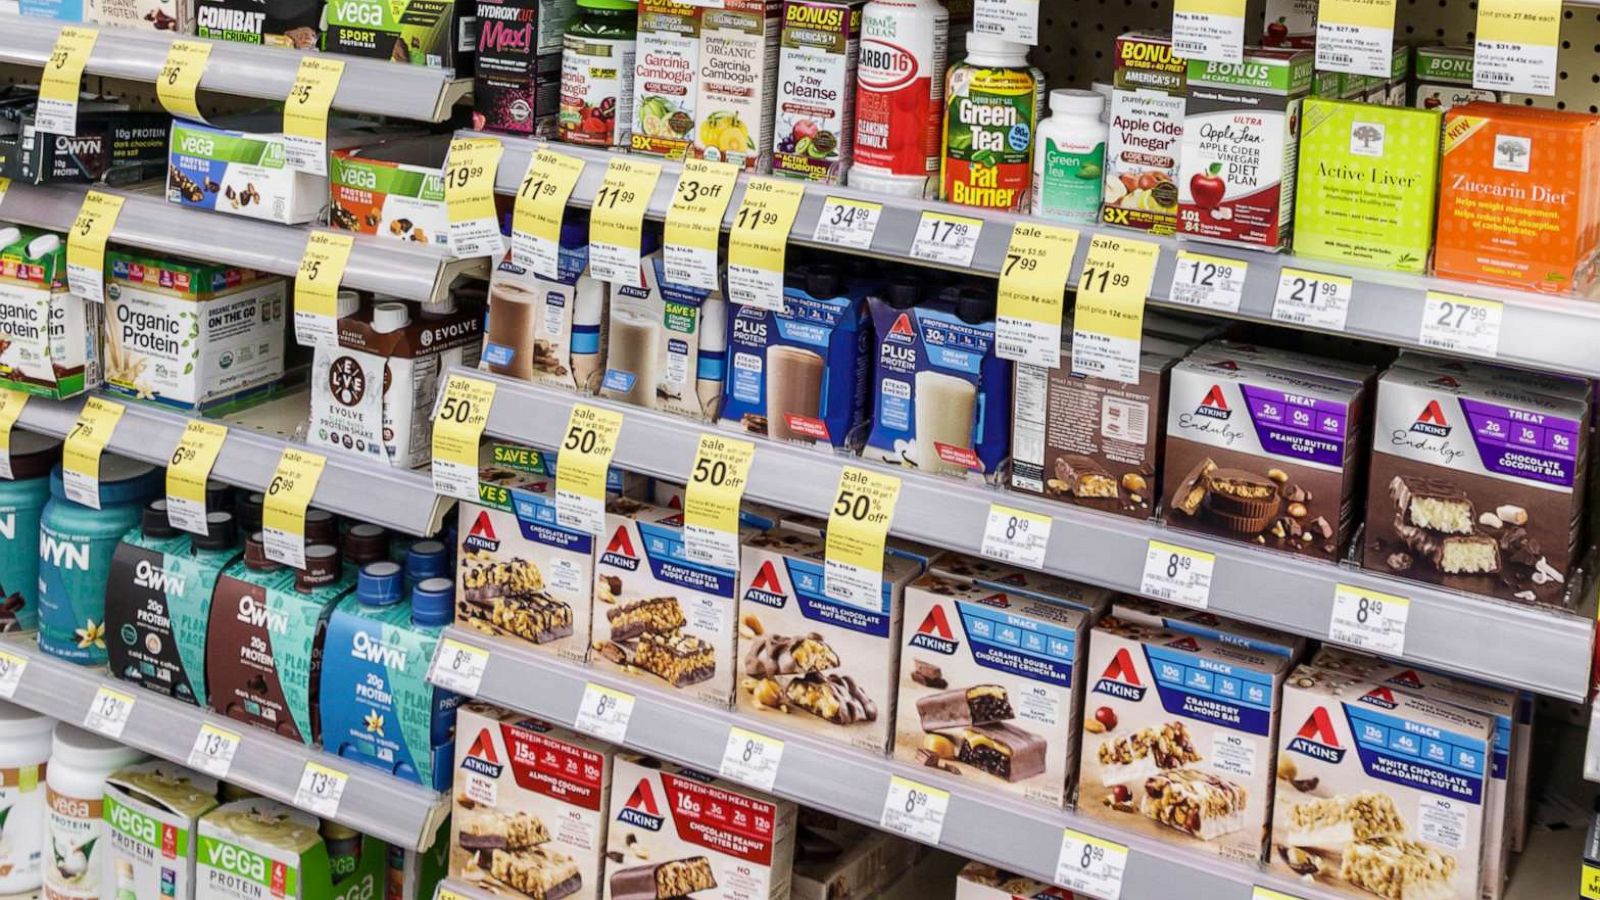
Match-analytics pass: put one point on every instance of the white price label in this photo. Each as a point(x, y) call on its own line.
point(1205, 282)
point(847, 223)
point(711, 546)
point(1177, 575)
point(459, 667)
point(1514, 66)
point(1312, 300)
point(604, 713)
point(1013, 20)
point(950, 240)
point(1461, 324)
point(1091, 865)
point(1016, 536)
point(856, 585)
point(1261, 893)
point(751, 758)
point(320, 790)
point(914, 810)
point(1369, 620)
point(108, 712)
point(1209, 30)
point(284, 547)
point(580, 512)
point(1357, 48)
point(213, 750)
point(11, 668)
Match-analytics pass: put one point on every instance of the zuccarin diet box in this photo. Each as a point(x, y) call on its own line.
point(1178, 737)
point(1380, 791)
point(991, 687)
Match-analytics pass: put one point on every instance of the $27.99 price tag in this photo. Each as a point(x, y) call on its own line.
point(1461, 324)
point(1370, 620)
point(1091, 865)
point(751, 758)
point(1177, 575)
point(915, 810)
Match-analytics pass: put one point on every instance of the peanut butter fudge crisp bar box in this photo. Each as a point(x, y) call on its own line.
point(1178, 734)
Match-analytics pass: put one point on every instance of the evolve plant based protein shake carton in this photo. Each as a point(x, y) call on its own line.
point(666, 78)
point(51, 337)
point(1145, 140)
point(680, 833)
point(531, 805)
point(152, 811)
point(667, 345)
point(814, 135)
point(738, 83)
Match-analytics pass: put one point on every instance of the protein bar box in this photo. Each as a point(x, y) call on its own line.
point(675, 832)
point(393, 189)
point(1020, 582)
point(1380, 791)
point(111, 143)
point(1178, 737)
point(274, 23)
point(438, 33)
point(531, 805)
point(837, 859)
point(1209, 625)
point(981, 881)
point(991, 687)
point(172, 16)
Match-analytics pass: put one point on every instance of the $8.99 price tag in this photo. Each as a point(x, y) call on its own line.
point(459, 667)
point(751, 758)
point(604, 712)
point(1370, 620)
point(541, 202)
point(283, 517)
point(187, 472)
point(1091, 865)
point(915, 810)
point(463, 414)
point(858, 526)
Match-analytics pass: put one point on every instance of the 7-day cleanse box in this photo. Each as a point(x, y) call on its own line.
point(820, 46)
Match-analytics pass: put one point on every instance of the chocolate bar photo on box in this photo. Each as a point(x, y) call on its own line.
point(977, 705)
point(835, 698)
point(1002, 750)
point(777, 654)
point(654, 615)
point(663, 881)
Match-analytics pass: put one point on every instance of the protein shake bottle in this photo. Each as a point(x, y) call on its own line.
point(900, 96)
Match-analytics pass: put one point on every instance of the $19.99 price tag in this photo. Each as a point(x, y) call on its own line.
point(915, 810)
point(1091, 865)
point(604, 712)
point(1177, 575)
point(1370, 620)
point(751, 758)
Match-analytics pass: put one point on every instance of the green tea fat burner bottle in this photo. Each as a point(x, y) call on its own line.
point(597, 56)
point(1068, 158)
point(992, 102)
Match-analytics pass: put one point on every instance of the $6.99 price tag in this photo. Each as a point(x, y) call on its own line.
point(1091, 865)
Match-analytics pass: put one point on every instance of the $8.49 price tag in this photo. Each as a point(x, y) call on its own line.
point(858, 526)
point(1016, 536)
point(283, 517)
point(187, 472)
point(320, 790)
point(711, 500)
point(1370, 620)
point(459, 667)
point(1261, 893)
point(1461, 324)
point(604, 712)
point(1312, 300)
point(914, 810)
point(457, 428)
point(950, 240)
point(581, 466)
point(751, 758)
point(1033, 288)
point(469, 175)
point(85, 444)
point(108, 712)
point(316, 287)
point(213, 750)
point(694, 222)
point(759, 241)
point(1091, 865)
point(1208, 282)
point(1177, 575)
point(616, 219)
point(536, 218)
point(847, 223)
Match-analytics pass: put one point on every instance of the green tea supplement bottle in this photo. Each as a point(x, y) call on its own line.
point(1068, 159)
point(597, 57)
point(992, 101)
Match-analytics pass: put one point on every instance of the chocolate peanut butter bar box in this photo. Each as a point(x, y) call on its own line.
point(675, 832)
point(1379, 790)
point(1178, 737)
point(991, 686)
point(531, 806)
point(829, 666)
point(1477, 483)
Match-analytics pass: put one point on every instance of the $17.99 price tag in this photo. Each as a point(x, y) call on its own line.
point(951, 240)
point(1177, 575)
point(1312, 300)
point(604, 712)
point(1370, 620)
point(1091, 865)
point(751, 758)
point(915, 810)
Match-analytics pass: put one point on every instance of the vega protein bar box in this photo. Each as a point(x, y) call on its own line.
point(991, 687)
point(680, 833)
point(1178, 737)
point(1380, 791)
point(830, 666)
point(531, 804)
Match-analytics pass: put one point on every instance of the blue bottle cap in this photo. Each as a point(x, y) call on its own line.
point(380, 584)
point(427, 559)
point(431, 602)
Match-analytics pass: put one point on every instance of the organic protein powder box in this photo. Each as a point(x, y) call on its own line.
point(75, 865)
point(24, 751)
point(236, 165)
point(393, 189)
point(531, 805)
point(516, 87)
point(550, 331)
point(666, 345)
point(905, 46)
point(681, 833)
point(1069, 158)
point(666, 78)
point(191, 336)
point(274, 23)
point(175, 16)
point(22, 500)
point(152, 811)
point(1146, 134)
point(820, 48)
point(597, 71)
point(738, 83)
point(992, 102)
point(49, 337)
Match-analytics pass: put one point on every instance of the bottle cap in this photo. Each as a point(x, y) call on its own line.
point(219, 496)
point(380, 584)
point(348, 303)
point(903, 292)
point(365, 543)
point(33, 455)
point(387, 317)
point(322, 568)
point(822, 280)
point(427, 559)
point(248, 509)
point(431, 602)
point(222, 532)
point(321, 527)
point(989, 45)
point(153, 521)
point(975, 306)
point(443, 306)
point(255, 554)
point(1069, 101)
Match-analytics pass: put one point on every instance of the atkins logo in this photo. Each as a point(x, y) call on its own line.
point(1121, 679)
point(482, 758)
point(1317, 739)
point(901, 332)
point(766, 588)
point(1432, 421)
point(935, 634)
point(620, 552)
point(641, 810)
point(1214, 405)
point(1408, 679)
point(482, 537)
point(1381, 697)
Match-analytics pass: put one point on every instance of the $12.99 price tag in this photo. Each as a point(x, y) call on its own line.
point(915, 810)
point(1208, 282)
point(1370, 620)
point(1091, 865)
point(751, 758)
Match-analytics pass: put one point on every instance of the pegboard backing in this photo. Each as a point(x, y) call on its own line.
point(1076, 41)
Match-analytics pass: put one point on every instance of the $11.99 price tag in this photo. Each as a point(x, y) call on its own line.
point(759, 240)
point(1177, 575)
point(616, 219)
point(1108, 320)
point(463, 414)
point(1091, 865)
point(1312, 300)
point(540, 205)
point(915, 810)
point(604, 712)
point(213, 750)
point(320, 790)
point(751, 758)
point(1370, 620)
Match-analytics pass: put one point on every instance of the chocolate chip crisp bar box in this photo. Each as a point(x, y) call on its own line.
point(1380, 791)
point(831, 666)
point(991, 686)
point(1178, 737)
point(675, 832)
point(531, 802)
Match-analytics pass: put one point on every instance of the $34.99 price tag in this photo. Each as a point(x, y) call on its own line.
point(11, 404)
point(858, 526)
point(11, 668)
point(86, 244)
point(305, 114)
point(751, 758)
point(536, 218)
point(694, 222)
point(320, 790)
point(187, 472)
point(1091, 865)
point(581, 466)
point(914, 810)
point(759, 241)
point(459, 667)
point(1461, 324)
point(1312, 300)
point(283, 517)
point(1108, 321)
point(711, 500)
point(213, 750)
point(847, 223)
point(1370, 620)
point(946, 239)
point(1177, 575)
point(1208, 282)
point(1033, 288)
point(457, 428)
point(109, 712)
point(1016, 536)
point(616, 219)
point(604, 713)
point(469, 175)
point(316, 287)
point(85, 444)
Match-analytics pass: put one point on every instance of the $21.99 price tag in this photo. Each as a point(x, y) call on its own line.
point(1370, 620)
point(1091, 865)
point(1312, 300)
point(915, 810)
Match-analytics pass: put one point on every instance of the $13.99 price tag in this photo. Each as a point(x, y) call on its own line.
point(946, 239)
point(11, 668)
point(459, 667)
point(751, 758)
point(1208, 282)
point(320, 790)
point(915, 810)
point(536, 218)
point(109, 712)
point(1016, 536)
point(604, 712)
point(858, 526)
point(1461, 324)
point(759, 241)
point(1177, 575)
point(1091, 865)
point(847, 223)
point(213, 750)
point(1312, 300)
point(187, 472)
point(457, 429)
point(283, 517)
point(581, 466)
point(1370, 620)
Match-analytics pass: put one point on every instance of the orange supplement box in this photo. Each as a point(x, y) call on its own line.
point(1517, 199)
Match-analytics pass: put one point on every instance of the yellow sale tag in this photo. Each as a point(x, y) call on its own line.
point(305, 114)
point(858, 525)
point(581, 465)
point(316, 287)
point(711, 500)
point(86, 244)
point(80, 455)
point(540, 206)
point(11, 404)
point(1033, 290)
point(5, 185)
point(1109, 315)
point(187, 472)
point(1261, 893)
point(179, 82)
point(759, 241)
point(469, 177)
point(1590, 886)
point(617, 217)
point(694, 222)
point(457, 429)
point(283, 518)
point(57, 109)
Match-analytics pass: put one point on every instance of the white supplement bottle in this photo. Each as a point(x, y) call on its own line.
point(1069, 157)
point(75, 793)
point(24, 750)
point(900, 96)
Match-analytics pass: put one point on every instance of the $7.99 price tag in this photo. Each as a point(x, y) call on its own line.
point(1370, 620)
point(187, 472)
point(1033, 288)
point(463, 414)
point(915, 810)
point(1091, 865)
point(86, 442)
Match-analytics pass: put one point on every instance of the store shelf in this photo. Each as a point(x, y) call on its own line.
point(399, 499)
point(373, 803)
point(150, 223)
point(369, 86)
point(1544, 650)
point(1549, 333)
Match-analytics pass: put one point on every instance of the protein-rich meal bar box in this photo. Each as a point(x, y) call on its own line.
point(1475, 485)
point(831, 666)
point(1178, 737)
point(1209, 626)
point(659, 615)
point(274, 23)
point(991, 687)
point(1508, 769)
point(1263, 454)
point(675, 832)
point(1379, 791)
point(1020, 582)
point(981, 881)
point(531, 806)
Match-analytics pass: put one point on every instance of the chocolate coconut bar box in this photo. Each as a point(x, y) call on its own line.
point(991, 687)
point(675, 832)
point(829, 666)
point(1380, 791)
point(1178, 737)
point(531, 806)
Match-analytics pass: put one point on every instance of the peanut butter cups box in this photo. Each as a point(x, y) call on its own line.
point(679, 833)
point(531, 805)
point(1178, 737)
point(1380, 791)
point(991, 686)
